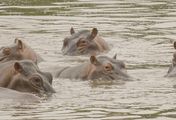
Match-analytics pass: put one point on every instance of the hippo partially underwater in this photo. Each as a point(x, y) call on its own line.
point(25, 76)
point(16, 96)
point(18, 51)
point(84, 42)
point(20, 77)
point(101, 67)
point(172, 69)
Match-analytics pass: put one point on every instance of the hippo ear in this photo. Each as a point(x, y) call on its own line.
point(20, 44)
point(115, 56)
point(94, 60)
point(18, 67)
point(72, 31)
point(16, 40)
point(175, 44)
point(93, 33)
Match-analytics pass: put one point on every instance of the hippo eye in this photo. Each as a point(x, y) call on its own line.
point(36, 81)
point(83, 42)
point(6, 51)
point(108, 67)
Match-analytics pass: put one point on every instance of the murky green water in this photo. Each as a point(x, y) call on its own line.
point(141, 32)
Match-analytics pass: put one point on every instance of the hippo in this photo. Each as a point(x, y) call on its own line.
point(18, 51)
point(25, 76)
point(13, 95)
point(84, 42)
point(172, 69)
point(101, 67)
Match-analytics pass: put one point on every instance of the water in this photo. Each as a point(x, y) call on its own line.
point(141, 32)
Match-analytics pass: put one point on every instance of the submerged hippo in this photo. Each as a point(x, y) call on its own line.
point(84, 42)
point(9, 94)
point(18, 51)
point(101, 67)
point(172, 69)
point(24, 76)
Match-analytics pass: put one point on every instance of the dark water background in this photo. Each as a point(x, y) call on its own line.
point(141, 32)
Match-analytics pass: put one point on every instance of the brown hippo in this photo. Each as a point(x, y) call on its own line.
point(24, 76)
point(101, 67)
point(18, 51)
point(84, 42)
point(9, 94)
point(172, 69)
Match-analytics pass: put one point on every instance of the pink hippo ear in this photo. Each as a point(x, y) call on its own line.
point(175, 44)
point(72, 31)
point(93, 33)
point(18, 67)
point(16, 40)
point(94, 60)
point(19, 43)
point(115, 56)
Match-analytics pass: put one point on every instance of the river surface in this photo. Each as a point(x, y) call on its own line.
point(141, 32)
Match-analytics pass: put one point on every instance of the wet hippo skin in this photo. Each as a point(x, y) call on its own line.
point(17, 96)
point(84, 42)
point(18, 51)
point(24, 76)
point(101, 67)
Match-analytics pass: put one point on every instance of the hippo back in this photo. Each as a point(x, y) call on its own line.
point(8, 94)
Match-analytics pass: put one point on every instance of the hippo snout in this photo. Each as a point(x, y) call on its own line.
point(48, 87)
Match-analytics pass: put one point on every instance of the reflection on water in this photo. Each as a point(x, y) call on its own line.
point(141, 32)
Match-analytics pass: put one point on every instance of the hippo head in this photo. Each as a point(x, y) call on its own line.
point(18, 51)
point(80, 43)
point(172, 68)
point(107, 68)
point(28, 78)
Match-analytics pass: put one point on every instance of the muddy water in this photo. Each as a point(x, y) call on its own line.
point(141, 32)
